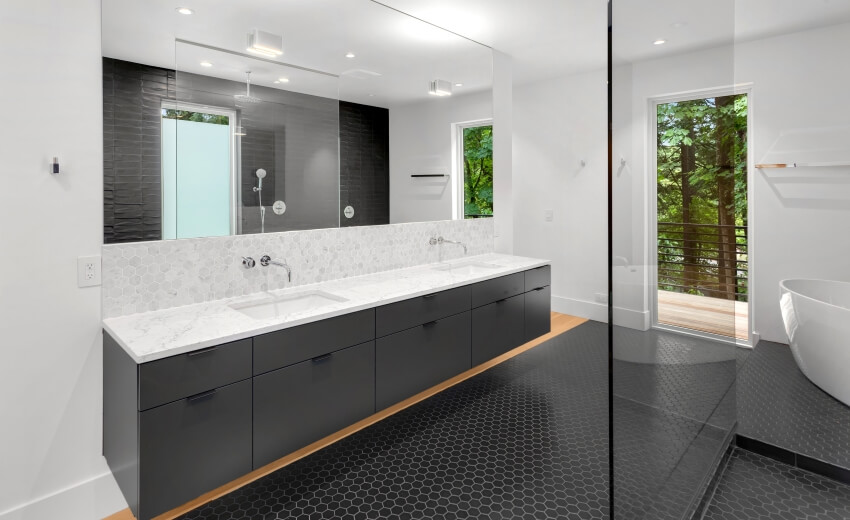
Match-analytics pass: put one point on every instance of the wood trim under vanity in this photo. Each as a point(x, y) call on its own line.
point(560, 323)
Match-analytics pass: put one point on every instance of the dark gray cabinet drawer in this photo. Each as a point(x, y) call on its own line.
point(537, 278)
point(538, 318)
point(289, 346)
point(413, 360)
point(176, 377)
point(192, 446)
point(487, 292)
point(405, 314)
point(300, 404)
point(497, 328)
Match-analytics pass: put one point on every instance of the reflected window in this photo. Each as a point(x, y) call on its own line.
point(475, 155)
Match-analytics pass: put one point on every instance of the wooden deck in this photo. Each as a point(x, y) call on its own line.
point(722, 317)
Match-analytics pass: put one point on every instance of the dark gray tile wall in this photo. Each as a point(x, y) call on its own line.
point(132, 97)
point(364, 146)
point(299, 139)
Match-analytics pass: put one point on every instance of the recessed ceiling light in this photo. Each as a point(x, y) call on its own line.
point(349, 55)
point(283, 80)
point(659, 42)
point(184, 10)
point(206, 64)
point(458, 84)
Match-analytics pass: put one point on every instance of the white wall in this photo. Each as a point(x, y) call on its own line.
point(421, 143)
point(798, 218)
point(50, 374)
point(557, 124)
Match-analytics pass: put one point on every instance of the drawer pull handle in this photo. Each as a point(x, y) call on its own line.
point(429, 296)
point(202, 396)
point(430, 323)
point(201, 352)
point(324, 357)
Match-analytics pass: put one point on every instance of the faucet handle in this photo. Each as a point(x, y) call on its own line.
point(248, 262)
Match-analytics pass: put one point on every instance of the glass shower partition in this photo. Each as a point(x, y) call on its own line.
point(677, 252)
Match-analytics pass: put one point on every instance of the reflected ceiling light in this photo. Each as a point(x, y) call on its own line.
point(239, 131)
point(440, 87)
point(458, 84)
point(283, 80)
point(349, 55)
point(659, 42)
point(265, 43)
point(184, 10)
point(206, 64)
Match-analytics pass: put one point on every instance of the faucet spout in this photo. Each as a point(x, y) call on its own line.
point(266, 260)
point(440, 241)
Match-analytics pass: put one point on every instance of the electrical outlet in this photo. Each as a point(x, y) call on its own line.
point(88, 271)
point(601, 297)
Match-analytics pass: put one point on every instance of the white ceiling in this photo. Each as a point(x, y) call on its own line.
point(546, 38)
point(406, 53)
point(549, 38)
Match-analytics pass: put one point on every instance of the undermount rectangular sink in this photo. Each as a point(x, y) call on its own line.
point(276, 307)
point(469, 267)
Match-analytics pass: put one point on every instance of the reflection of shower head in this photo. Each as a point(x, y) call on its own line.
point(261, 173)
point(247, 97)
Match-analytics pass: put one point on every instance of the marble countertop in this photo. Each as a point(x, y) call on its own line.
point(158, 334)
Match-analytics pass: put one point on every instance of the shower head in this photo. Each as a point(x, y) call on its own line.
point(247, 97)
point(261, 173)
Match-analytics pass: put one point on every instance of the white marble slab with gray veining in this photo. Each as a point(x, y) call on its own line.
point(153, 335)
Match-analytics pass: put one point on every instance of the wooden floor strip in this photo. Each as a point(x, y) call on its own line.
point(713, 315)
point(560, 323)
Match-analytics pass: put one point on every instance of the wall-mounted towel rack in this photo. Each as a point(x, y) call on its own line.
point(802, 165)
point(418, 175)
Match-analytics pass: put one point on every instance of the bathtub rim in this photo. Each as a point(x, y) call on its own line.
point(801, 295)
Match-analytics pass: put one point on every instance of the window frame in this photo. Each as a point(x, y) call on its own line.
point(458, 186)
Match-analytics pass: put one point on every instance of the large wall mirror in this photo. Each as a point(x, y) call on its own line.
point(225, 117)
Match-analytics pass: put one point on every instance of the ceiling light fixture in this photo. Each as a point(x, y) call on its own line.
point(349, 55)
point(458, 84)
point(659, 42)
point(206, 64)
point(265, 43)
point(440, 88)
point(283, 80)
point(239, 131)
point(184, 10)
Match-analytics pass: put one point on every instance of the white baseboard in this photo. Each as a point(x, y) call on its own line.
point(599, 312)
point(92, 499)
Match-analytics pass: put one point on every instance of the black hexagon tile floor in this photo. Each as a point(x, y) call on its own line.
point(525, 439)
point(778, 405)
point(757, 488)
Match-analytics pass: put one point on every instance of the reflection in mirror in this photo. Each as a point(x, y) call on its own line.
point(343, 112)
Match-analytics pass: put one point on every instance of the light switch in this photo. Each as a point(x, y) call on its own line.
point(548, 215)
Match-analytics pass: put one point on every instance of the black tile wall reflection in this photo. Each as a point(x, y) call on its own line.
point(284, 135)
point(364, 159)
point(132, 104)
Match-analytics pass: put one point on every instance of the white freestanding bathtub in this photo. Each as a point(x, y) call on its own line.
point(817, 320)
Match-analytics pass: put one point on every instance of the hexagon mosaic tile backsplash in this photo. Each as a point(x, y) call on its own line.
point(148, 276)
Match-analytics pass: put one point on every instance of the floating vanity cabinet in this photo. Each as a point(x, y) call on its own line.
point(299, 404)
point(415, 359)
point(178, 427)
point(538, 302)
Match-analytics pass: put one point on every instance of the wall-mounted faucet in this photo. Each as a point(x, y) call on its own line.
point(440, 241)
point(248, 262)
point(266, 260)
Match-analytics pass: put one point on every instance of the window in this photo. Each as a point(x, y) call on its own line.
point(475, 160)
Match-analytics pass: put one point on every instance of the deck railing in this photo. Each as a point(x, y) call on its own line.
point(704, 259)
